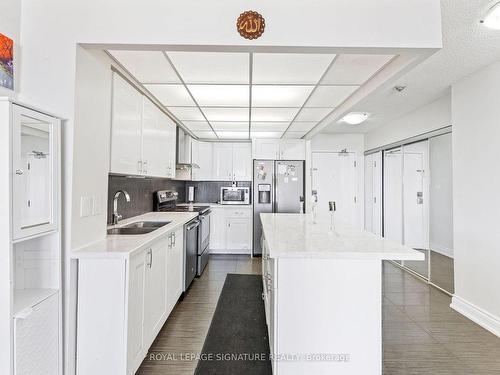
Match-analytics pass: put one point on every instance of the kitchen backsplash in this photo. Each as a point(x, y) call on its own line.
point(209, 191)
point(141, 193)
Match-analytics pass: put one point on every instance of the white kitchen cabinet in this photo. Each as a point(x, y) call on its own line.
point(124, 302)
point(126, 128)
point(223, 161)
point(175, 267)
point(242, 162)
point(202, 155)
point(279, 149)
point(231, 230)
point(155, 288)
point(143, 138)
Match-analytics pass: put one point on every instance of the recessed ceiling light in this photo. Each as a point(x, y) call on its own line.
point(492, 19)
point(355, 118)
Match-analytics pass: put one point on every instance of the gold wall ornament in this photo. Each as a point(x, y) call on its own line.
point(250, 24)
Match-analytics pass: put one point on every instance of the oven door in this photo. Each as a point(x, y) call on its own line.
point(204, 231)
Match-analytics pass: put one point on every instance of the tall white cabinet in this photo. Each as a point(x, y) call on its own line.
point(143, 138)
point(30, 263)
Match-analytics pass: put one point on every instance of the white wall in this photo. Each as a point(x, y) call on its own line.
point(476, 191)
point(10, 26)
point(353, 143)
point(433, 116)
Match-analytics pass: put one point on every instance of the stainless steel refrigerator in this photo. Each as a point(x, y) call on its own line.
point(278, 186)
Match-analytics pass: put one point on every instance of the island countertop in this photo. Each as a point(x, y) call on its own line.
point(296, 236)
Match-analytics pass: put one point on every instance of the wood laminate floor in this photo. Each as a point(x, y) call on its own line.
point(421, 333)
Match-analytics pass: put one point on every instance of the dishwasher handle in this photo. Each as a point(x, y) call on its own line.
point(194, 225)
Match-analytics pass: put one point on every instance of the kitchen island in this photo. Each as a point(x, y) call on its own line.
point(323, 294)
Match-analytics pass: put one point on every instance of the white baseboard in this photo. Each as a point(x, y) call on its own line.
point(231, 251)
point(477, 315)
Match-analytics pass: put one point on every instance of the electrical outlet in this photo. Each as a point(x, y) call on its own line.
point(85, 206)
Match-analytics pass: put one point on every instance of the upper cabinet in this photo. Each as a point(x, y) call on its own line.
point(142, 136)
point(279, 149)
point(222, 161)
point(36, 172)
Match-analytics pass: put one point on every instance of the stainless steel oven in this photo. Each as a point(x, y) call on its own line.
point(234, 195)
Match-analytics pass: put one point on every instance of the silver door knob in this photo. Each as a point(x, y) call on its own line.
point(19, 172)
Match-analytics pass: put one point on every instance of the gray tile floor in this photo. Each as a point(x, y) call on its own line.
point(421, 333)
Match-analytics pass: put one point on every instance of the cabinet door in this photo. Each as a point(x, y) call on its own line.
point(265, 149)
point(169, 149)
point(223, 161)
point(202, 155)
point(126, 128)
point(35, 164)
point(137, 269)
point(218, 228)
point(154, 290)
point(238, 233)
point(175, 263)
point(242, 161)
point(154, 138)
point(292, 149)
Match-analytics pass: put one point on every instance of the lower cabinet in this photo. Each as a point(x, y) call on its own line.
point(231, 230)
point(123, 303)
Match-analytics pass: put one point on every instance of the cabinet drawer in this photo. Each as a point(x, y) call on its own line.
point(238, 212)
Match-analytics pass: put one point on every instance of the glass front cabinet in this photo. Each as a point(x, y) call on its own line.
point(35, 169)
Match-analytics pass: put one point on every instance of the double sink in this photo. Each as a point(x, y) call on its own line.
point(138, 227)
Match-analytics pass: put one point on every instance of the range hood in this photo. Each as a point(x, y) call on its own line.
point(184, 146)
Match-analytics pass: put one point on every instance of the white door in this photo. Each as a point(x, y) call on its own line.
point(292, 149)
point(126, 128)
point(266, 149)
point(153, 141)
point(238, 233)
point(223, 161)
point(154, 288)
point(174, 269)
point(202, 155)
point(137, 269)
point(242, 161)
point(413, 200)
point(393, 195)
point(218, 229)
point(334, 179)
point(168, 146)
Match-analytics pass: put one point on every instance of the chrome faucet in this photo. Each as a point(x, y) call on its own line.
point(117, 217)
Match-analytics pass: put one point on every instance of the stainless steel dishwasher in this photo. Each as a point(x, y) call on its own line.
point(191, 232)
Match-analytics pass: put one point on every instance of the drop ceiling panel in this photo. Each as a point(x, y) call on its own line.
point(313, 114)
point(294, 135)
point(230, 126)
point(212, 67)
point(280, 96)
point(147, 66)
point(232, 135)
point(274, 114)
point(221, 95)
point(205, 134)
point(187, 113)
point(266, 134)
point(276, 68)
point(302, 126)
point(226, 114)
point(330, 96)
point(197, 125)
point(171, 95)
point(355, 69)
point(269, 126)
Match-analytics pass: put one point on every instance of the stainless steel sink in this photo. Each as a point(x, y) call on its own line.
point(139, 227)
point(147, 224)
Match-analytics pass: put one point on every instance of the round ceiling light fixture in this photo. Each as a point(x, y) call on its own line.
point(355, 118)
point(492, 19)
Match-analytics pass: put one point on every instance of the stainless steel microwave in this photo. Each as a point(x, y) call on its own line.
point(234, 195)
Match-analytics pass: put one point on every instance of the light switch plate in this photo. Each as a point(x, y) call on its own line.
point(85, 206)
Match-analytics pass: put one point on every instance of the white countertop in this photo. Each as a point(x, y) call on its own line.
point(122, 246)
point(296, 236)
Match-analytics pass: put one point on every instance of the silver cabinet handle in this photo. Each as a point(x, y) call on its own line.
point(145, 166)
point(19, 172)
point(174, 237)
point(139, 166)
point(150, 263)
point(170, 240)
